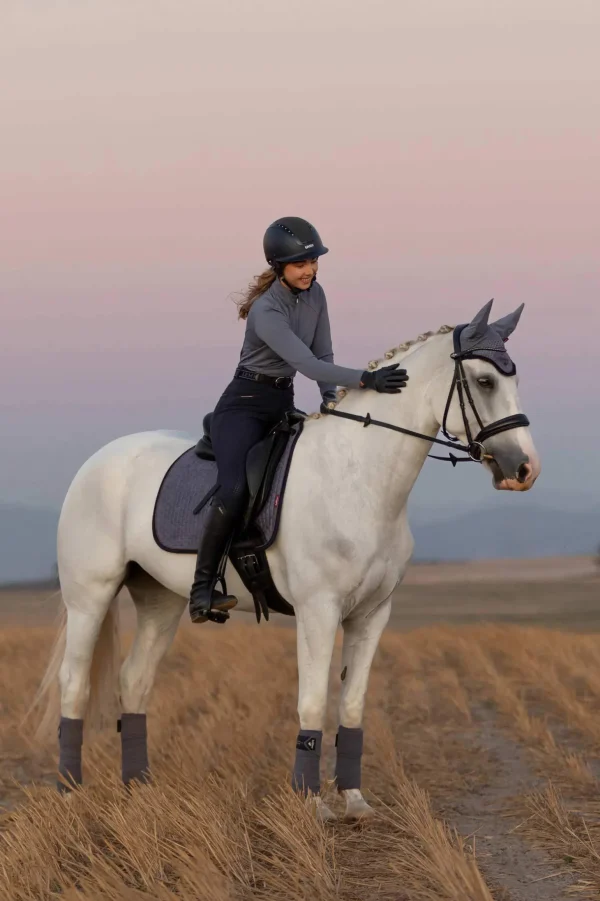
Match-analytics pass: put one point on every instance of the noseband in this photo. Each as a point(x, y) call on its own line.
point(475, 447)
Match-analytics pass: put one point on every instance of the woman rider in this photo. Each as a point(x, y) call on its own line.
point(287, 331)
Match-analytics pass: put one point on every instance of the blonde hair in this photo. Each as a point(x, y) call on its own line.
point(257, 286)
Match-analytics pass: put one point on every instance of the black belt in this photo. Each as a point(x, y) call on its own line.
point(282, 381)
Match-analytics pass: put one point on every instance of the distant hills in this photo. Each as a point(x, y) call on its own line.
point(491, 532)
point(27, 542)
point(28, 536)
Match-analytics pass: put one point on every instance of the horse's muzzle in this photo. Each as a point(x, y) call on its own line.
point(513, 467)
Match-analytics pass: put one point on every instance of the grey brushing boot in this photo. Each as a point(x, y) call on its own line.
point(134, 747)
point(70, 740)
point(349, 745)
point(306, 777)
point(205, 601)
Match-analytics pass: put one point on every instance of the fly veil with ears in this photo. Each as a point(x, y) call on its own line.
point(477, 339)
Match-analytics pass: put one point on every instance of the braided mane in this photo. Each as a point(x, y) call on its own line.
point(401, 351)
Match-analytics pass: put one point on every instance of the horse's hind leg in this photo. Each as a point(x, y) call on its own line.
point(158, 615)
point(90, 616)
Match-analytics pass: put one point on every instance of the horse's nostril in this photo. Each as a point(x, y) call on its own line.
point(524, 472)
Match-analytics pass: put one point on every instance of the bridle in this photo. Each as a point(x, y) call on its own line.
point(475, 447)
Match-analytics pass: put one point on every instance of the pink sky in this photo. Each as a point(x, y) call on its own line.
point(447, 152)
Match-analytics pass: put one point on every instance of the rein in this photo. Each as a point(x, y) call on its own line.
point(475, 447)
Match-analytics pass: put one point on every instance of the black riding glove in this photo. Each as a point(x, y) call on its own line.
point(388, 380)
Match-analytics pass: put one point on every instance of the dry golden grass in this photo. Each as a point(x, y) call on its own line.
point(574, 837)
point(219, 820)
point(506, 691)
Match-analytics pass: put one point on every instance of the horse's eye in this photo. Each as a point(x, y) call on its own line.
point(486, 382)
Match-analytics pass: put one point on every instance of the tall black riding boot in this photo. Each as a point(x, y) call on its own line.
point(205, 601)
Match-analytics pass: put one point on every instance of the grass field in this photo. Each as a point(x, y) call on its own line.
point(481, 749)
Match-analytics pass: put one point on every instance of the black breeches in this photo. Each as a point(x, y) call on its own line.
point(243, 416)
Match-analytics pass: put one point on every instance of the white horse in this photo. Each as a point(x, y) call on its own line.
point(342, 549)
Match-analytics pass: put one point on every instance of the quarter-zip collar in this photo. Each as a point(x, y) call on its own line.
point(282, 293)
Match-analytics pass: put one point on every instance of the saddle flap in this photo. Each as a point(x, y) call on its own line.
point(261, 465)
point(179, 517)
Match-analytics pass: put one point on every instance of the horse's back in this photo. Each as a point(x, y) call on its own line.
point(124, 474)
point(118, 460)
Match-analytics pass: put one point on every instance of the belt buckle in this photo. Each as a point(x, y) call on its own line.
point(279, 379)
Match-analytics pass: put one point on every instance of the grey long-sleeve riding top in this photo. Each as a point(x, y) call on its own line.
point(288, 333)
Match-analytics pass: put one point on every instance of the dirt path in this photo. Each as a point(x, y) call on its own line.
point(489, 822)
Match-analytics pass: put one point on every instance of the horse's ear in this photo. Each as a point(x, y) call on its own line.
point(508, 324)
point(478, 325)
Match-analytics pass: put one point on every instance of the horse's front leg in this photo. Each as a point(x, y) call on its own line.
point(361, 638)
point(316, 627)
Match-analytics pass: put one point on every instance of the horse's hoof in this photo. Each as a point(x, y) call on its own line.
point(322, 813)
point(357, 809)
point(66, 787)
point(65, 794)
point(138, 782)
point(362, 815)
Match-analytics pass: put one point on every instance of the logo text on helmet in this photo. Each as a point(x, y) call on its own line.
point(308, 246)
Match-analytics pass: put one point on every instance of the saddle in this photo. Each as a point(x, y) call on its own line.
point(247, 552)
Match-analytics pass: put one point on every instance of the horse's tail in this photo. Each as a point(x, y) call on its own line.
point(102, 708)
point(47, 697)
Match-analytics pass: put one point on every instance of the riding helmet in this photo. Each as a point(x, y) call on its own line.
point(290, 240)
